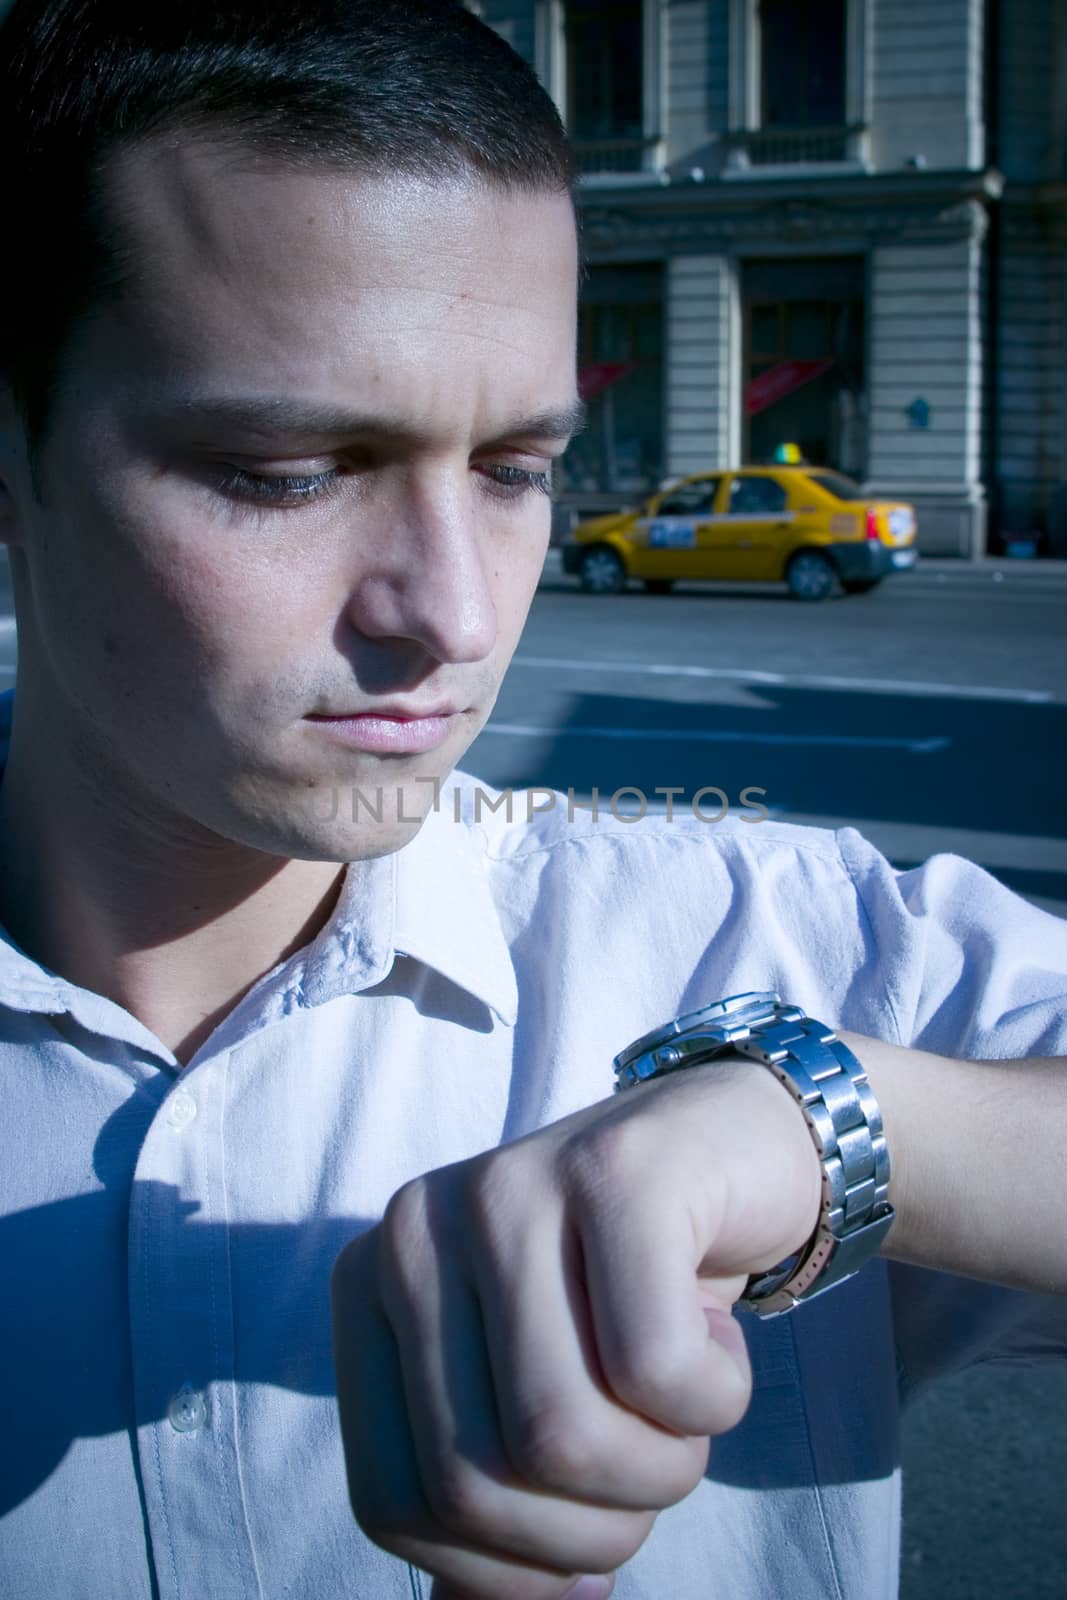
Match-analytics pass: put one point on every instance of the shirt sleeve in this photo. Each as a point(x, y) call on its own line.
point(970, 969)
point(974, 971)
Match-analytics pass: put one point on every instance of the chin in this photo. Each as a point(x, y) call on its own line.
point(322, 819)
point(360, 844)
point(323, 827)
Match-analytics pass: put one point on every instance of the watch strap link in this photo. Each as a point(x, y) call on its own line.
point(831, 1088)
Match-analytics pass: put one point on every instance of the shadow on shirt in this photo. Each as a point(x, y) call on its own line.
point(825, 1399)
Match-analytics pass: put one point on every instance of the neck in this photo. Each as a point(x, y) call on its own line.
point(170, 921)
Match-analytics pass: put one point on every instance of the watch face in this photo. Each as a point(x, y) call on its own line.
point(705, 1017)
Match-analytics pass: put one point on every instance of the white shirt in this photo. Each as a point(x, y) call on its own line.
point(167, 1407)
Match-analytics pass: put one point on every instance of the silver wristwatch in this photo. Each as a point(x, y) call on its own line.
point(831, 1088)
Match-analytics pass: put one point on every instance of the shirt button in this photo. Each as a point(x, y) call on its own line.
point(181, 1109)
point(187, 1410)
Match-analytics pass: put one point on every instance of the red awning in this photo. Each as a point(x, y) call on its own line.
point(594, 379)
point(780, 380)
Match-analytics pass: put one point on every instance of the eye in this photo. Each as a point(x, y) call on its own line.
point(516, 482)
point(278, 491)
point(511, 483)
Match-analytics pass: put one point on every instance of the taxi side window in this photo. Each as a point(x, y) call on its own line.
point(756, 497)
point(691, 499)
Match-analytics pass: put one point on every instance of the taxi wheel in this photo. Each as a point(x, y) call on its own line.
point(809, 576)
point(658, 585)
point(601, 571)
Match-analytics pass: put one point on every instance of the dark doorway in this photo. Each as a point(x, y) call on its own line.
point(804, 360)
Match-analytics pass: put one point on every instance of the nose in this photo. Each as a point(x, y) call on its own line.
point(424, 577)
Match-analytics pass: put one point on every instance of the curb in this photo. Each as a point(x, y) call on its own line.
point(1036, 570)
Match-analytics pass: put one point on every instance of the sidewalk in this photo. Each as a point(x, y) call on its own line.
point(994, 568)
point(1021, 567)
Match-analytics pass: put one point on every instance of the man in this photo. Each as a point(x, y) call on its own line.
point(288, 347)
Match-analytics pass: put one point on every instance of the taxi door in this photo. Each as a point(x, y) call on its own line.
point(746, 539)
point(668, 540)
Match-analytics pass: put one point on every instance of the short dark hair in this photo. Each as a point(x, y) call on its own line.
point(417, 87)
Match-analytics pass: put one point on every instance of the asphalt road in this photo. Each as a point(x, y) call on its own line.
point(930, 714)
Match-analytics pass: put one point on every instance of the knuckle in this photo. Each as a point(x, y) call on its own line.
point(489, 1183)
point(549, 1450)
point(456, 1495)
point(597, 1159)
point(404, 1208)
point(496, 1193)
point(655, 1374)
point(403, 1225)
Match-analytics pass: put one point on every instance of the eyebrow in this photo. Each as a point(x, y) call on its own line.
point(276, 415)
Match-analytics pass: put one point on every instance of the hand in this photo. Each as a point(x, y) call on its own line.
point(534, 1346)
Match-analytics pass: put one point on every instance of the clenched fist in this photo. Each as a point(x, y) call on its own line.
point(534, 1346)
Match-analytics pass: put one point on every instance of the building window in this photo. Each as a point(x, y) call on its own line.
point(798, 83)
point(802, 63)
point(609, 57)
point(603, 70)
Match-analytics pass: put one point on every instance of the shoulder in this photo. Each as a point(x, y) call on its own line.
point(660, 914)
point(940, 955)
point(538, 844)
point(517, 826)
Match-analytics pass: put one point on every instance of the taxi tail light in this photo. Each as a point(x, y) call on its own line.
point(872, 524)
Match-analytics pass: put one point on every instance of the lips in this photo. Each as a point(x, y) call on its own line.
point(387, 730)
point(392, 713)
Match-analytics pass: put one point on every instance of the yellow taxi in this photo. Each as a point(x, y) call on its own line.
point(807, 526)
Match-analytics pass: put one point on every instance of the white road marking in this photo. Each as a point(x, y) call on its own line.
point(528, 730)
point(662, 669)
point(915, 841)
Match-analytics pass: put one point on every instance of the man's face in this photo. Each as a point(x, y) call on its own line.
point(186, 640)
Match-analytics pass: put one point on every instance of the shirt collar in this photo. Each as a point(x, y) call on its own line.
point(430, 900)
point(446, 916)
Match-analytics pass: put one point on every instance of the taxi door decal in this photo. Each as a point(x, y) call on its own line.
point(672, 533)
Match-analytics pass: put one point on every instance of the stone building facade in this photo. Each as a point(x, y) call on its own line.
point(839, 224)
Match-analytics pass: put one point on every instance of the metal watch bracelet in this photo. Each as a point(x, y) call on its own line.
point(830, 1087)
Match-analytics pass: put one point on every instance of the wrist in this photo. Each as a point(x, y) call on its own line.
point(895, 1075)
point(977, 1180)
point(843, 1129)
point(765, 1138)
point(794, 1160)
